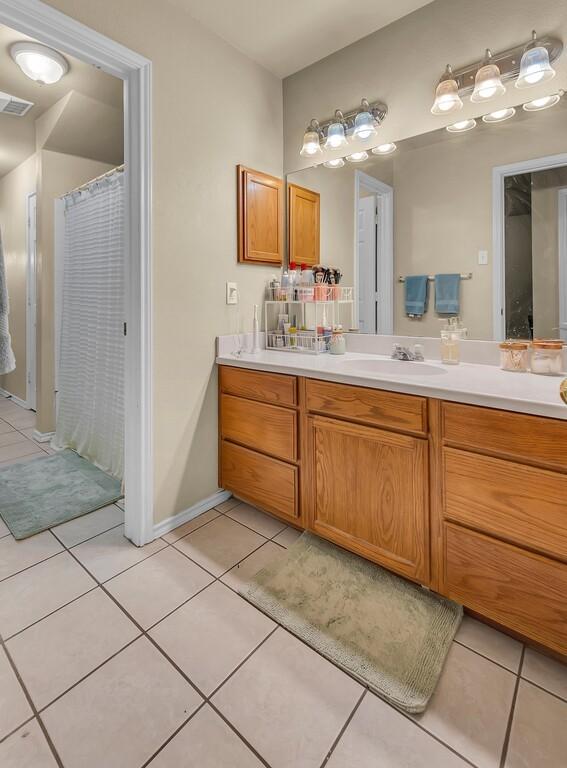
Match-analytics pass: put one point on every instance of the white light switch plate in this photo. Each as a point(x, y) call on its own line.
point(483, 258)
point(232, 293)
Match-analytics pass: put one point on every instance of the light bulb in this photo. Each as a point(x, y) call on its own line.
point(384, 149)
point(534, 66)
point(311, 145)
point(338, 163)
point(499, 115)
point(447, 97)
point(544, 102)
point(335, 136)
point(461, 126)
point(364, 126)
point(487, 82)
point(357, 157)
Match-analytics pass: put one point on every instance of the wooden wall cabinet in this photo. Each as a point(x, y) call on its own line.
point(260, 217)
point(469, 501)
point(303, 225)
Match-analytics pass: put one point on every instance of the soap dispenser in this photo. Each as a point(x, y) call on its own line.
point(451, 335)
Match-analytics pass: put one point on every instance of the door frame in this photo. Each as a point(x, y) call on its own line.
point(31, 300)
point(53, 28)
point(499, 174)
point(384, 248)
point(562, 255)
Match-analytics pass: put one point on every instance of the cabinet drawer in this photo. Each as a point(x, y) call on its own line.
point(370, 406)
point(265, 482)
point(266, 428)
point(522, 504)
point(533, 439)
point(521, 590)
point(257, 385)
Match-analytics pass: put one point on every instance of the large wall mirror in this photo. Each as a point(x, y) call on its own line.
point(488, 205)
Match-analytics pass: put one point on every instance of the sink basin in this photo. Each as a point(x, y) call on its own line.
point(392, 367)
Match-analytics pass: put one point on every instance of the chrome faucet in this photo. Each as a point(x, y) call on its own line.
point(405, 353)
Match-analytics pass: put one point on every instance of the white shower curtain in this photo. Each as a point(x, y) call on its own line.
point(90, 398)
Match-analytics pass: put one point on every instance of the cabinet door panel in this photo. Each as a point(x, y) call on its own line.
point(260, 217)
point(303, 225)
point(369, 493)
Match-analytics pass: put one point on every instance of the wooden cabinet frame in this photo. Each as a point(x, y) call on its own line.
point(257, 217)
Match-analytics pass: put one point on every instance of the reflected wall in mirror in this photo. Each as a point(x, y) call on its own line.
point(488, 205)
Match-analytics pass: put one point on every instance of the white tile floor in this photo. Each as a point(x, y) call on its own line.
point(118, 657)
point(16, 434)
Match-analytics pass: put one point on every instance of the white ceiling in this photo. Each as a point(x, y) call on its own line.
point(288, 35)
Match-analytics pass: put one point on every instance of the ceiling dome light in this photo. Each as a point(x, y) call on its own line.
point(39, 63)
point(311, 144)
point(364, 127)
point(534, 67)
point(544, 103)
point(338, 163)
point(461, 126)
point(487, 83)
point(384, 149)
point(357, 157)
point(447, 97)
point(499, 116)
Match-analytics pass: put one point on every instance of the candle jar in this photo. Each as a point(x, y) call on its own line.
point(547, 357)
point(514, 356)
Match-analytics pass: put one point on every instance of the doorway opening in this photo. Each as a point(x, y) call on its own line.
point(374, 254)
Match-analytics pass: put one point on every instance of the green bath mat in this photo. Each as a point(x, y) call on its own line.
point(40, 493)
point(390, 634)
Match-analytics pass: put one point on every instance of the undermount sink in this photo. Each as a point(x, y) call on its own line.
point(393, 367)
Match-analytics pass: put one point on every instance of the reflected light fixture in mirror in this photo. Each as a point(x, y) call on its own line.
point(447, 97)
point(364, 127)
point(357, 157)
point(338, 163)
point(311, 142)
point(536, 105)
point(39, 63)
point(534, 67)
point(499, 115)
point(384, 149)
point(461, 126)
point(487, 83)
point(336, 134)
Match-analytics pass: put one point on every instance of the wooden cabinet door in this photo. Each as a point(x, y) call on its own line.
point(368, 492)
point(303, 210)
point(260, 217)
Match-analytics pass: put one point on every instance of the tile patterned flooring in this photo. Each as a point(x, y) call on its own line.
point(122, 657)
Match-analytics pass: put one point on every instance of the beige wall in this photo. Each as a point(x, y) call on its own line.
point(402, 62)
point(57, 173)
point(14, 189)
point(195, 76)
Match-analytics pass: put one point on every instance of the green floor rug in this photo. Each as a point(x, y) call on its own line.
point(40, 493)
point(390, 634)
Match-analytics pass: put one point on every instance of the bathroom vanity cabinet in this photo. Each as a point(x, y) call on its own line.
point(467, 500)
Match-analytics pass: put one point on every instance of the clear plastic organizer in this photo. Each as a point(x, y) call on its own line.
point(301, 341)
point(309, 293)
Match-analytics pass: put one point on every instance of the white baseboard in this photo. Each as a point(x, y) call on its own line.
point(167, 525)
point(42, 437)
point(14, 399)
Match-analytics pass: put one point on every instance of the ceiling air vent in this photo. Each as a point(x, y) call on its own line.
point(11, 105)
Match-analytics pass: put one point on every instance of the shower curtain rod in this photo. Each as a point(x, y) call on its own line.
point(118, 169)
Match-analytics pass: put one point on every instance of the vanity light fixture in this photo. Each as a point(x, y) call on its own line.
point(40, 63)
point(384, 149)
point(534, 67)
point(357, 157)
point(336, 163)
point(488, 82)
point(462, 126)
point(364, 125)
point(536, 105)
point(447, 97)
point(336, 137)
point(311, 141)
point(499, 115)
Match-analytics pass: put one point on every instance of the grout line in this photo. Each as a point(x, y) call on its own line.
point(240, 736)
point(112, 527)
point(244, 660)
point(27, 568)
point(174, 734)
point(32, 705)
point(21, 725)
point(507, 735)
point(343, 729)
point(483, 656)
point(545, 690)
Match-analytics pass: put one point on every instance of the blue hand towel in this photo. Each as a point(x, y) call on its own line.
point(416, 295)
point(447, 288)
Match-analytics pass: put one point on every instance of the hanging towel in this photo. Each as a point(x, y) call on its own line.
point(447, 288)
point(416, 295)
point(7, 359)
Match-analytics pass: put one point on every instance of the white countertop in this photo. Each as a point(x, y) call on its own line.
point(485, 385)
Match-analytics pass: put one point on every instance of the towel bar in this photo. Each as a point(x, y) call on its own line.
point(463, 276)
